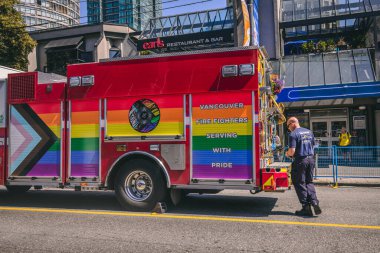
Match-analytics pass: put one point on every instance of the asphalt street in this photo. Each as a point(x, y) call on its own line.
point(231, 221)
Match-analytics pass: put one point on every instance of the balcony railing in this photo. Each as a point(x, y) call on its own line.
point(338, 67)
point(300, 10)
point(189, 23)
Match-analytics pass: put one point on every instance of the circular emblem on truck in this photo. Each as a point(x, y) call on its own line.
point(144, 115)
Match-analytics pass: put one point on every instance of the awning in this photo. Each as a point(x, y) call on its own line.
point(68, 42)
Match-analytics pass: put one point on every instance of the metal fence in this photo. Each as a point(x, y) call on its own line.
point(347, 162)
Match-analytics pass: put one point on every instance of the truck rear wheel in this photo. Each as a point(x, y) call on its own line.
point(139, 186)
point(18, 189)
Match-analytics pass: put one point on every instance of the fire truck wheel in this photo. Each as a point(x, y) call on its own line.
point(17, 189)
point(139, 186)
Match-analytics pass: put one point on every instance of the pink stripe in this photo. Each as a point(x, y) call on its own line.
point(25, 134)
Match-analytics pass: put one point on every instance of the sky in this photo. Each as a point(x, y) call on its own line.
point(198, 5)
point(174, 7)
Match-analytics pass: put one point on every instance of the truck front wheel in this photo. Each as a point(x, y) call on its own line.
point(139, 186)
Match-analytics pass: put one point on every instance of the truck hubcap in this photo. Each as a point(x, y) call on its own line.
point(138, 186)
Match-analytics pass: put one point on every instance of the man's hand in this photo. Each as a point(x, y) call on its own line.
point(290, 152)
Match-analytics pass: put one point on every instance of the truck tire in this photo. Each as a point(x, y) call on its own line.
point(18, 189)
point(139, 186)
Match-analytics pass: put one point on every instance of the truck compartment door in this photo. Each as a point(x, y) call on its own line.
point(35, 144)
point(84, 131)
point(222, 137)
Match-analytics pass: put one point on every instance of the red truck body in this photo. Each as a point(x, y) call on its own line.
point(143, 126)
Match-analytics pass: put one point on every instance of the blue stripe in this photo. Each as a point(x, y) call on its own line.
point(51, 157)
point(238, 157)
point(84, 157)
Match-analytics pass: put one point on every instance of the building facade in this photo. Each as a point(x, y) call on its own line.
point(134, 13)
point(86, 43)
point(330, 57)
point(46, 14)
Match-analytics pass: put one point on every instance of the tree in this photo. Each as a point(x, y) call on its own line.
point(15, 42)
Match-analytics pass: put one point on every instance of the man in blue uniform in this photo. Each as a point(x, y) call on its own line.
point(301, 149)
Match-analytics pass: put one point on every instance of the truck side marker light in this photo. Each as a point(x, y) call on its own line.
point(154, 147)
point(230, 70)
point(247, 69)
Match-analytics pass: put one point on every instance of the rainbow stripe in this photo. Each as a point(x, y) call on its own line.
point(170, 121)
point(84, 142)
point(222, 136)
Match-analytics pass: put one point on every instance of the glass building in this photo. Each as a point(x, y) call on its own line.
point(45, 14)
point(134, 13)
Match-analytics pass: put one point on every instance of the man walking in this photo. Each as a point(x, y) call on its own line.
point(301, 149)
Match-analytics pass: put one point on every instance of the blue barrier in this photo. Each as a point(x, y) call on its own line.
point(346, 162)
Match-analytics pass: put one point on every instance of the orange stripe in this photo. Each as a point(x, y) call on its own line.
point(51, 119)
point(166, 115)
point(84, 118)
point(245, 112)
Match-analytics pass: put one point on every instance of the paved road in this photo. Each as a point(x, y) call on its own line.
point(232, 221)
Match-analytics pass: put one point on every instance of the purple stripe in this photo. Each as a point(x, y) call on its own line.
point(84, 170)
point(236, 172)
point(44, 170)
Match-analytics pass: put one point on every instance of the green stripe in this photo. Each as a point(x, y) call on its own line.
point(243, 142)
point(56, 146)
point(84, 144)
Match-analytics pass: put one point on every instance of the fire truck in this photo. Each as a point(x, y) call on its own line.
point(148, 127)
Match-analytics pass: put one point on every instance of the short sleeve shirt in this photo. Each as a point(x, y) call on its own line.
point(302, 140)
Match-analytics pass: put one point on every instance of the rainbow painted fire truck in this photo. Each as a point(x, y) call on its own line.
point(146, 127)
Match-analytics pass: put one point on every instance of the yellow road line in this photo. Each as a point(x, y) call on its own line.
point(187, 217)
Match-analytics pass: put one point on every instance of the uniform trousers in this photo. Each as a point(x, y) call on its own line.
point(302, 178)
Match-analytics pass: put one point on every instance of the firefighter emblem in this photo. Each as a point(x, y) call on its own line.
point(144, 115)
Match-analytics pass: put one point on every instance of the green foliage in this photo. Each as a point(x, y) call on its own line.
point(331, 46)
point(15, 42)
point(308, 47)
point(321, 46)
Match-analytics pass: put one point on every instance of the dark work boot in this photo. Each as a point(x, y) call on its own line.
point(317, 209)
point(305, 211)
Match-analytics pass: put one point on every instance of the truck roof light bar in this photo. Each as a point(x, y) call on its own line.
point(247, 69)
point(88, 80)
point(75, 81)
point(230, 70)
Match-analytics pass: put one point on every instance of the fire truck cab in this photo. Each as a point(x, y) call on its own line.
point(146, 127)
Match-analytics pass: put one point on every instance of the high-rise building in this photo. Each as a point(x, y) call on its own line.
point(44, 14)
point(134, 13)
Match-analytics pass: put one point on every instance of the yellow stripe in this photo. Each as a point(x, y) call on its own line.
point(190, 217)
point(240, 129)
point(84, 131)
point(165, 128)
point(56, 130)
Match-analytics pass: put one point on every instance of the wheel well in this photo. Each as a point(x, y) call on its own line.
point(128, 158)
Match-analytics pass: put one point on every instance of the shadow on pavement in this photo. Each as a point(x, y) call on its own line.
point(193, 204)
